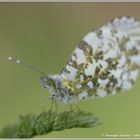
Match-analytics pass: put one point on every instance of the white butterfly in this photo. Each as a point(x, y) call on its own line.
point(106, 61)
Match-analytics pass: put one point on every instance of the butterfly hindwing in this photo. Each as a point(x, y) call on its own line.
point(102, 63)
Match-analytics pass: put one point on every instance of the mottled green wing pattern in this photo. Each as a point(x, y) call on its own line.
point(106, 61)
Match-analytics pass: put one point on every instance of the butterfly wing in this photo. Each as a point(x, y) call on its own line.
point(106, 60)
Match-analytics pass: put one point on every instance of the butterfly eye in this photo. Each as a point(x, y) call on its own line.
point(49, 82)
point(46, 82)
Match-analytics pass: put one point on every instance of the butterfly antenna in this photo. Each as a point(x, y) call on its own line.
point(17, 61)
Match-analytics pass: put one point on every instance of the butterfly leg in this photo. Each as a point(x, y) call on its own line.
point(50, 112)
point(77, 107)
point(43, 105)
point(71, 107)
point(54, 104)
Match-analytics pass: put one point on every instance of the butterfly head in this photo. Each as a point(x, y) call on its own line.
point(47, 82)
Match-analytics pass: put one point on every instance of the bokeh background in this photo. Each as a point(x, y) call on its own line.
point(44, 35)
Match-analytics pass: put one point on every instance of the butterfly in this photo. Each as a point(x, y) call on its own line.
point(106, 61)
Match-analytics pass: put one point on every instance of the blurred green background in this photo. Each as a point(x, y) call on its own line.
point(44, 35)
